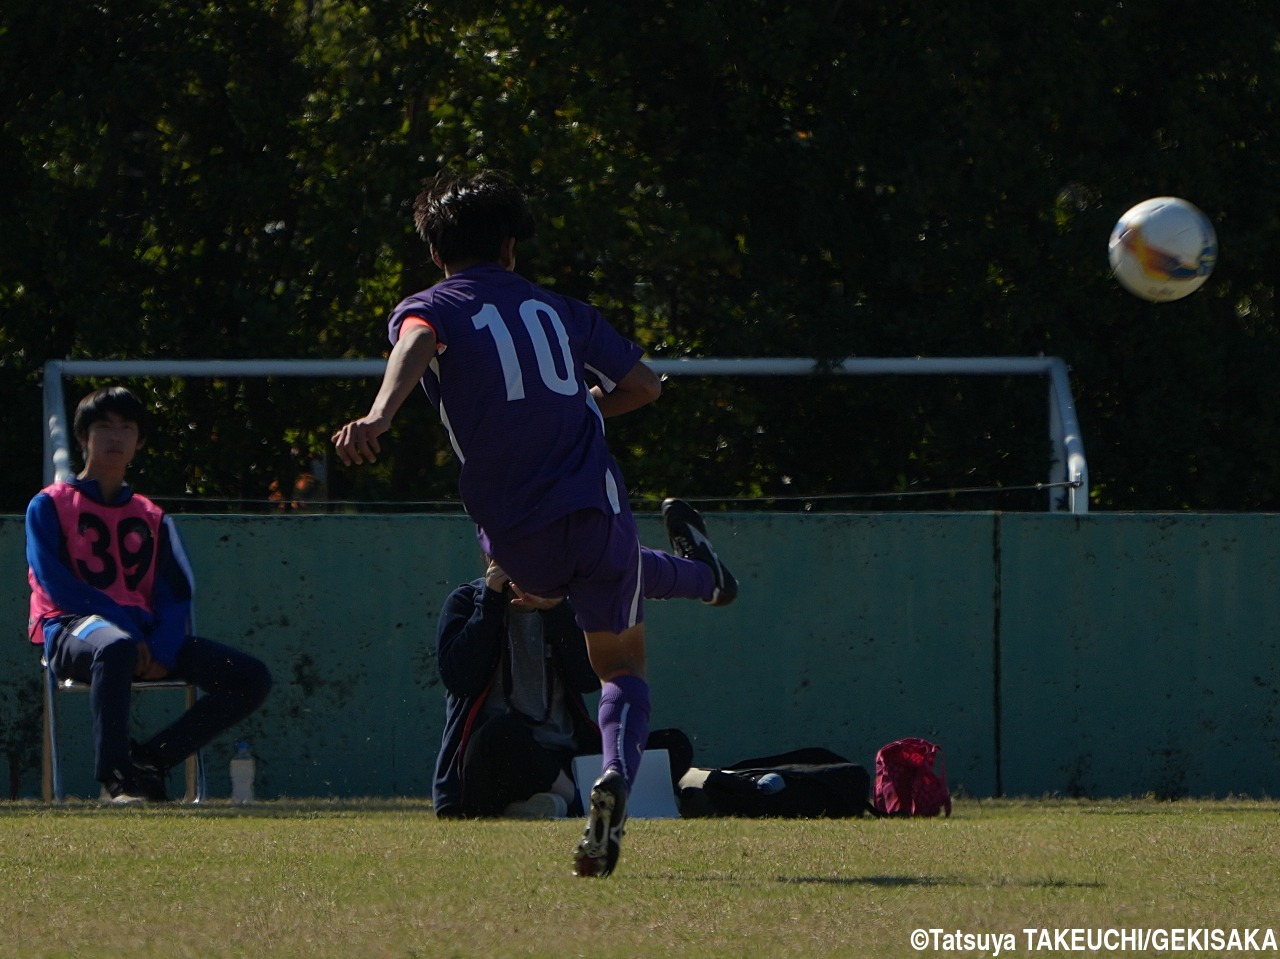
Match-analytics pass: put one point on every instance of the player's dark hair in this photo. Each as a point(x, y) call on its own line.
point(110, 399)
point(469, 217)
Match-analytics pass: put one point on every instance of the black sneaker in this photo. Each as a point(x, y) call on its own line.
point(149, 773)
point(150, 782)
point(597, 853)
point(688, 535)
point(140, 784)
point(118, 792)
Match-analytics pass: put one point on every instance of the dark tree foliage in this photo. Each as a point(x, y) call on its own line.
point(755, 178)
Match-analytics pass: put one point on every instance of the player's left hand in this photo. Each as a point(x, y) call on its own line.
point(531, 601)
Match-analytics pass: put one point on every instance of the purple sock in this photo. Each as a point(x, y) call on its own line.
point(665, 576)
point(624, 724)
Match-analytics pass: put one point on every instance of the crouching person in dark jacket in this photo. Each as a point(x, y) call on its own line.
point(515, 671)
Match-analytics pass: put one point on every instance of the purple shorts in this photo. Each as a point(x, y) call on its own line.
point(590, 556)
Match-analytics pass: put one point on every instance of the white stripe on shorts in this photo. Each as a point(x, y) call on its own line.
point(634, 615)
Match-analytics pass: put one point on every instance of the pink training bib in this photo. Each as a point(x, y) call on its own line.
point(111, 548)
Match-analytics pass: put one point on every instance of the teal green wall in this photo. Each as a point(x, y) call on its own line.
point(1110, 654)
point(1141, 654)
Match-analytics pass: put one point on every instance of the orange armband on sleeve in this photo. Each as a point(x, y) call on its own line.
point(413, 322)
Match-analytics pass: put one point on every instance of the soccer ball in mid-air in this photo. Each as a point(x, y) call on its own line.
point(1163, 249)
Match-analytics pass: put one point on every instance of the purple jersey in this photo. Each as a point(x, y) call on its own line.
point(509, 383)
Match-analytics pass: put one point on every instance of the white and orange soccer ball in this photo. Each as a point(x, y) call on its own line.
point(1163, 249)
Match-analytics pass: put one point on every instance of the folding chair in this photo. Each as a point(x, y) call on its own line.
point(51, 774)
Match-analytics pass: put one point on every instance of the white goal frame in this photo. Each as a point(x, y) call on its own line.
point(1068, 485)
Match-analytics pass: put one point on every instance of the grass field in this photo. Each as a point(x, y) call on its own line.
point(386, 879)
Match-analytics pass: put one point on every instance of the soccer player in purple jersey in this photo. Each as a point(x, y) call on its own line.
point(506, 364)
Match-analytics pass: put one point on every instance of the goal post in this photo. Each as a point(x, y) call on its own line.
point(1068, 484)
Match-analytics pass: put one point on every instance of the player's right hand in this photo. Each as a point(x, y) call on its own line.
point(357, 442)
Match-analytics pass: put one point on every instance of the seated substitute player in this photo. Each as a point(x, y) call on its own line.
point(505, 363)
point(515, 670)
point(111, 600)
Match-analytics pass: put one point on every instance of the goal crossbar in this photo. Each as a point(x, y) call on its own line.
point(1068, 484)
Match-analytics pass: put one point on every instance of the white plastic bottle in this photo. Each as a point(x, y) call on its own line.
point(242, 772)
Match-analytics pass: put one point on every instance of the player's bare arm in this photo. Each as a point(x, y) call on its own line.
point(638, 388)
point(357, 442)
